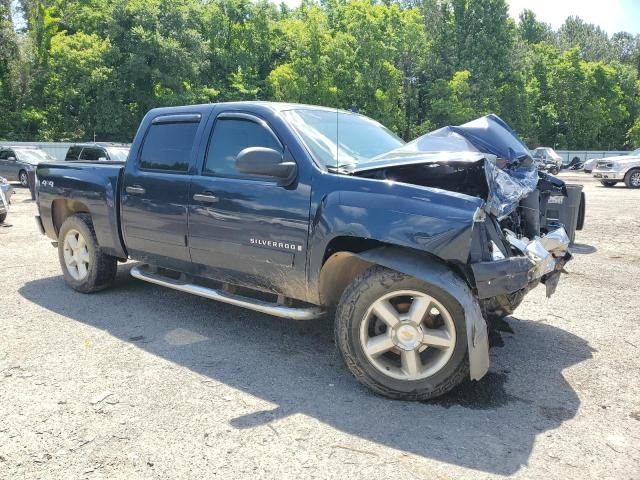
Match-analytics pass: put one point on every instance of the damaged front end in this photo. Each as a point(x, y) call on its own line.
point(514, 246)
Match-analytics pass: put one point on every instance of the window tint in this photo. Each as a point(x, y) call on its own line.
point(167, 146)
point(73, 153)
point(230, 137)
point(92, 153)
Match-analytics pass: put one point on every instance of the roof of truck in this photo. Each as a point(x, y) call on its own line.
point(273, 106)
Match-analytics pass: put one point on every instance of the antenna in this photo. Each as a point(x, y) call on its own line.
point(337, 142)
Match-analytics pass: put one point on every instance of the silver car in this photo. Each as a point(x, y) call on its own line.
point(17, 162)
point(5, 198)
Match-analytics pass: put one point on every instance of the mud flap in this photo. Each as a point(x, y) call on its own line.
point(432, 271)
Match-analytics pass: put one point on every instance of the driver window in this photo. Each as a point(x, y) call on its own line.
point(229, 137)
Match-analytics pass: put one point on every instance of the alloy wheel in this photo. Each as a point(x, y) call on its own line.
point(408, 335)
point(76, 255)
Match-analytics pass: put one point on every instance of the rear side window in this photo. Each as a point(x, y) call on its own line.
point(92, 153)
point(73, 153)
point(4, 154)
point(167, 147)
point(230, 136)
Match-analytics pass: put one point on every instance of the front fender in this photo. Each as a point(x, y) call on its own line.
point(437, 273)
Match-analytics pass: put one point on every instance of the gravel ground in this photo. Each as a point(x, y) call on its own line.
point(144, 382)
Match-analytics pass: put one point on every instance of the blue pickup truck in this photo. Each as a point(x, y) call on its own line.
point(301, 211)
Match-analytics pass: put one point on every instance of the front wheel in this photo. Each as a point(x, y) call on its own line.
point(554, 170)
point(23, 178)
point(632, 179)
point(401, 337)
point(3, 217)
point(85, 267)
point(607, 183)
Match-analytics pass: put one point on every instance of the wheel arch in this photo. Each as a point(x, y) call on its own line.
point(346, 257)
point(63, 208)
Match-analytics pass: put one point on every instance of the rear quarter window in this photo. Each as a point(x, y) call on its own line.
point(167, 147)
point(73, 153)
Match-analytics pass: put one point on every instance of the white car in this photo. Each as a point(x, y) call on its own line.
point(625, 168)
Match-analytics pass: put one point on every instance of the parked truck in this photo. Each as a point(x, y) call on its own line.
point(302, 211)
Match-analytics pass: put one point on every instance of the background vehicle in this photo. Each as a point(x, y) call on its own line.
point(269, 207)
point(16, 162)
point(625, 168)
point(114, 152)
point(590, 164)
point(548, 159)
point(5, 198)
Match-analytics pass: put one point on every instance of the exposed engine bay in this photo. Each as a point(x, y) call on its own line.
point(486, 159)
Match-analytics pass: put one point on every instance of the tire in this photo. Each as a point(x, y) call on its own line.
point(23, 177)
point(440, 368)
point(554, 170)
point(608, 183)
point(581, 211)
point(99, 270)
point(632, 178)
point(3, 217)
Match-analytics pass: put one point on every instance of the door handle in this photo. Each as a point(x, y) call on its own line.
point(135, 190)
point(206, 197)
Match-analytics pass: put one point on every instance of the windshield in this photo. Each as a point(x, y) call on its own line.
point(33, 156)
point(635, 153)
point(341, 139)
point(118, 154)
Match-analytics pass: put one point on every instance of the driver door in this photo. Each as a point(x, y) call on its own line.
point(244, 229)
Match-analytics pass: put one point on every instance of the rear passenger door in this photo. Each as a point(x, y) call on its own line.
point(155, 195)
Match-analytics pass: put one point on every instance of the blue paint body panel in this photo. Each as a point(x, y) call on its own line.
point(257, 234)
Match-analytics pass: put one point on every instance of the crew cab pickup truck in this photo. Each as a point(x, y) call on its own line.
point(301, 211)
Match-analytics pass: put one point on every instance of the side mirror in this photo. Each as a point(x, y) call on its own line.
point(102, 159)
point(12, 159)
point(266, 162)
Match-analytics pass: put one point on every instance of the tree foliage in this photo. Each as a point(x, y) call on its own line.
point(85, 68)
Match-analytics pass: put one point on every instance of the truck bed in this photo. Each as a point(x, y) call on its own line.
point(91, 187)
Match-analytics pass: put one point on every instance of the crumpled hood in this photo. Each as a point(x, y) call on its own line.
point(509, 170)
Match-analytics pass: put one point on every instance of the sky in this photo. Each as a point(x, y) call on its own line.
point(611, 15)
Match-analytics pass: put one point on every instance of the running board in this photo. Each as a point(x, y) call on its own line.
point(275, 309)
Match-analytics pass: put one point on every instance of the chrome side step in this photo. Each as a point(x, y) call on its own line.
point(275, 309)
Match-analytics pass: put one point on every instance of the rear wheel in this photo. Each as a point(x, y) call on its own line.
point(85, 267)
point(3, 217)
point(608, 183)
point(401, 337)
point(23, 178)
point(632, 178)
